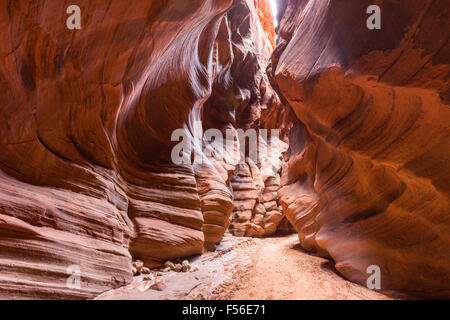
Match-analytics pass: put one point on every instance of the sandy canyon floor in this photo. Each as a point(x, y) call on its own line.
point(246, 268)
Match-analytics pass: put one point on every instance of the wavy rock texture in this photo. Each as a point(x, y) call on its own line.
point(87, 116)
point(257, 211)
point(85, 134)
point(367, 177)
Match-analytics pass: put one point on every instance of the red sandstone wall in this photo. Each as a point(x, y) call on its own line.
point(367, 177)
point(85, 135)
point(86, 118)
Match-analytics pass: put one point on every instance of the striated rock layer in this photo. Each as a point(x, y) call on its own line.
point(367, 174)
point(86, 177)
point(257, 211)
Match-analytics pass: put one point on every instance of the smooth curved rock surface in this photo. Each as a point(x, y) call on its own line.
point(86, 176)
point(367, 177)
point(257, 211)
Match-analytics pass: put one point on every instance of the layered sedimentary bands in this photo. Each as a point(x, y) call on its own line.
point(86, 128)
point(257, 211)
point(87, 116)
point(367, 178)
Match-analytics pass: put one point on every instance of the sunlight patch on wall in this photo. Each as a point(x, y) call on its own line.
point(274, 5)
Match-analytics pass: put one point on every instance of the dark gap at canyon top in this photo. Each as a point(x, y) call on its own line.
point(361, 170)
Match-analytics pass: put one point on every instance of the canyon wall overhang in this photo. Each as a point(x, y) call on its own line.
point(86, 117)
point(368, 177)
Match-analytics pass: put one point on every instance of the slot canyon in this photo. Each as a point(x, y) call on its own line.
point(359, 175)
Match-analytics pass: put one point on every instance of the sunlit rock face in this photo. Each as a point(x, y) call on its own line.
point(86, 177)
point(367, 174)
point(86, 120)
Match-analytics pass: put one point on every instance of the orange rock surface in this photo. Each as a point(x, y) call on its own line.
point(367, 178)
point(86, 176)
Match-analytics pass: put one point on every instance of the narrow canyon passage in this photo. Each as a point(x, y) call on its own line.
point(271, 275)
point(250, 269)
point(121, 140)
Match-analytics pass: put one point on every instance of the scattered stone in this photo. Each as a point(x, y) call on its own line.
point(158, 286)
point(145, 270)
point(138, 264)
point(194, 268)
point(134, 270)
point(148, 278)
point(178, 267)
point(169, 264)
point(185, 266)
